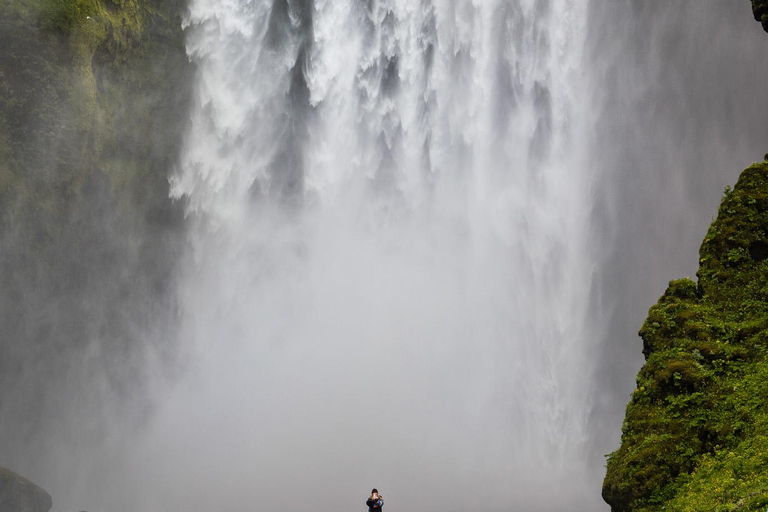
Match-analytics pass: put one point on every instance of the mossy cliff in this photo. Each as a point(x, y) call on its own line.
point(695, 435)
point(760, 10)
point(89, 85)
point(93, 104)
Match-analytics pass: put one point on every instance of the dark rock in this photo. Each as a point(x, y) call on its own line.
point(760, 10)
point(17, 494)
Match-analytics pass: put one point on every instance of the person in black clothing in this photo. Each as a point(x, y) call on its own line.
point(375, 502)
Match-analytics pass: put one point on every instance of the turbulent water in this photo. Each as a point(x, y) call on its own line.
point(390, 205)
point(422, 237)
point(398, 216)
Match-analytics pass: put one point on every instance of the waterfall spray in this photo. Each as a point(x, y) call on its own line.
point(389, 210)
point(422, 236)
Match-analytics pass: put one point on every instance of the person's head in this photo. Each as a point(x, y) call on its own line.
point(374, 492)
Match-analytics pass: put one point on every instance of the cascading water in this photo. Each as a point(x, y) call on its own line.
point(423, 236)
point(389, 207)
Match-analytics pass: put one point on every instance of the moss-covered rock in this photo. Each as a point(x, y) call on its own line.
point(94, 98)
point(17, 494)
point(102, 87)
point(696, 419)
point(760, 10)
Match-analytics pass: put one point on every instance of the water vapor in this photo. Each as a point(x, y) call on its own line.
point(420, 239)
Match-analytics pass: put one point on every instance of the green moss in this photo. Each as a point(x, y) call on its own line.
point(20, 9)
point(92, 112)
point(81, 86)
point(64, 15)
point(691, 435)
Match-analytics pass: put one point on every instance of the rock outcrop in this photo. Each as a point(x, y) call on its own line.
point(695, 434)
point(17, 494)
point(760, 10)
point(94, 100)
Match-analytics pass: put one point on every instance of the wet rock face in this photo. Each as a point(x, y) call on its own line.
point(17, 494)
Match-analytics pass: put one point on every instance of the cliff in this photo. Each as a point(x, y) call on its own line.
point(694, 437)
point(94, 99)
point(89, 86)
point(17, 494)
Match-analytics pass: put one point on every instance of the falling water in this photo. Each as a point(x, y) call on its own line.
point(389, 208)
point(422, 237)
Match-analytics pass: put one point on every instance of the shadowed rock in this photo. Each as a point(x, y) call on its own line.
point(760, 10)
point(17, 494)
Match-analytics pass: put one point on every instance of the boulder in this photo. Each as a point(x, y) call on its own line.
point(17, 494)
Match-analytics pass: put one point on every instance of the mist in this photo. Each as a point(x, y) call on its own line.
point(420, 238)
point(680, 117)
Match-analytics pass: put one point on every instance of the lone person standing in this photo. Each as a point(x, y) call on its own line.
point(375, 502)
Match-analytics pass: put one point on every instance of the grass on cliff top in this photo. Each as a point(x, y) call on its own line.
point(693, 437)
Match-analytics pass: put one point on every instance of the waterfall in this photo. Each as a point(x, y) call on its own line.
point(389, 286)
point(421, 236)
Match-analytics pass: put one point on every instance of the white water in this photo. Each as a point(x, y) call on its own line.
point(426, 328)
point(389, 205)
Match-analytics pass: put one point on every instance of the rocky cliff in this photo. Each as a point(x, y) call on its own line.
point(17, 494)
point(694, 436)
point(93, 103)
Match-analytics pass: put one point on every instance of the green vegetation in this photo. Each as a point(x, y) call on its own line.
point(65, 15)
point(94, 97)
point(88, 85)
point(694, 435)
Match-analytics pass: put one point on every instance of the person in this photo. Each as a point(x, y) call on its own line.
point(375, 502)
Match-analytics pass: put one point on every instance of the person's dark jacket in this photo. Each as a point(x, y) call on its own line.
point(375, 505)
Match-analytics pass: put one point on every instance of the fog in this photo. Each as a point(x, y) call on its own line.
point(420, 240)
